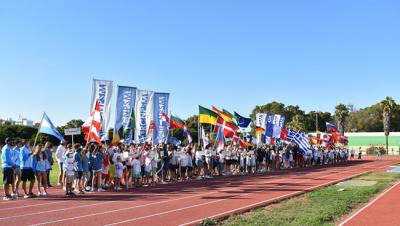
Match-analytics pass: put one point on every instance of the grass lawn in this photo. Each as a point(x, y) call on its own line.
point(320, 207)
point(53, 175)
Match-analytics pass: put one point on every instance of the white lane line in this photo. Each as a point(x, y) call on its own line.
point(369, 204)
point(166, 201)
point(266, 201)
point(161, 202)
point(246, 194)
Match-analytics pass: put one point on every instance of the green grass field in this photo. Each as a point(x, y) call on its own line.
point(321, 207)
point(53, 175)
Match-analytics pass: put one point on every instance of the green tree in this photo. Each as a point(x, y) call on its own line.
point(296, 123)
point(387, 105)
point(341, 113)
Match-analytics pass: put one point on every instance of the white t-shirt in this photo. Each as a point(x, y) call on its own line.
point(184, 161)
point(60, 153)
point(69, 166)
point(199, 155)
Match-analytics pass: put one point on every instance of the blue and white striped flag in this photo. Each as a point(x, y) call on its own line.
point(302, 141)
point(290, 134)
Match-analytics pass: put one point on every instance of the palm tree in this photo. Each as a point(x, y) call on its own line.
point(387, 106)
point(341, 113)
point(296, 124)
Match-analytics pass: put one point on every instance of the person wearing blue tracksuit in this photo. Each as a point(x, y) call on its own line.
point(78, 168)
point(27, 172)
point(96, 158)
point(17, 170)
point(8, 168)
point(50, 162)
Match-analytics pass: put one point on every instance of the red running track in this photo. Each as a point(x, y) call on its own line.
point(383, 210)
point(184, 203)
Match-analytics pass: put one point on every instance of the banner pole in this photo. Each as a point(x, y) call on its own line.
point(37, 134)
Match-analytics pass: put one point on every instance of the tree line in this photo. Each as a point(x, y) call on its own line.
point(383, 116)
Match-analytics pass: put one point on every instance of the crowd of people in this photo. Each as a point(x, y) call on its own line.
point(94, 168)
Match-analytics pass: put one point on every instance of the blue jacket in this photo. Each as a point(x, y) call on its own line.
point(85, 164)
point(25, 158)
point(97, 160)
point(49, 159)
point(15, 156)
point(6, 157)
point(77, 157)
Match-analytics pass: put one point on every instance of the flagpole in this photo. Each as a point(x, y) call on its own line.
point(37, 134)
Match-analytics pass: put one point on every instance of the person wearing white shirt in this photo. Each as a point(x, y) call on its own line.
point(183, 162)
point(137, 170)
point(60, 152)
point(208, 156)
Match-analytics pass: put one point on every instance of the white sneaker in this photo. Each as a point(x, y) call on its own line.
point(14, 195)
point(39, 194)
point(119, 189)
point(101, 190)
point(44, 194)
point(7, 198)
point(199, 178)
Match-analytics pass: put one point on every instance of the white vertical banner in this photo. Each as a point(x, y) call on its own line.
point(261, 121)
point(144, 113)
point(102, 91)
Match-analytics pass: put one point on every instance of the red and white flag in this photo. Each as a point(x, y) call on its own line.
point(92, 125)
point(228, 129)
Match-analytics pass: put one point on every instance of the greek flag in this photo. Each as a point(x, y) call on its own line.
point(302, 141)
point(290, 134)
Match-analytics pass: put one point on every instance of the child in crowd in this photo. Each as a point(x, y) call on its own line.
point(69, 170)
point(119, 169)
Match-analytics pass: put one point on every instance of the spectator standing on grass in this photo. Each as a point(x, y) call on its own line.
point(61, 151)
point(8, 168)
point(27, 172)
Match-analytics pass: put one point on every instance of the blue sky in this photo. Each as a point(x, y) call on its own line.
point(232, 54)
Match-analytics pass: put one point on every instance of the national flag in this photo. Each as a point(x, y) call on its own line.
point(47, 127)
point(204, 137)
point(244, 144)
point(174, 141)
point(228, 129)
point(344, 140)
point(222, 114)
point(176, 122)
point(220, 138)
point(260, 130)
point(242, 121)
point(235, 138)
point(290, 134)
point(284, 134)
point(335, 137)
point(92, 126)
point(302, 141)
point(331, 127)
point(165, 120)
point(207, 116)
point(234, 119)
point(187, 134)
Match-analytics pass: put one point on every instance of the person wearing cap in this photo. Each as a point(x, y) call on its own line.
point(8, 168)
point(61, 151)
